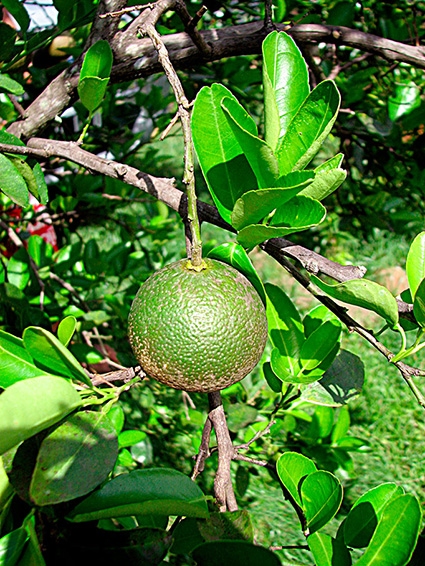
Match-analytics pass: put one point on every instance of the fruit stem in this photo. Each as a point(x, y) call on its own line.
point(184, 114)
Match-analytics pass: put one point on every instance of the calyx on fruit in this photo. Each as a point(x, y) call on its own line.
point(197, 330)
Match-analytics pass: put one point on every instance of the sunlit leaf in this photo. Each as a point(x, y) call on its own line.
point(321, 495)
point(415, 263)
point(363, 293)
point(223, 164)
point(328, 551)
point(292, 468)
point(30, 406)
point(160, 491)
point(285, 81)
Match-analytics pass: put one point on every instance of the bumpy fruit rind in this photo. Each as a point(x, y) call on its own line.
point(198, 331)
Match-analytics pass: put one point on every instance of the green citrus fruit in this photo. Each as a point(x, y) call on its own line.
point(198, 331)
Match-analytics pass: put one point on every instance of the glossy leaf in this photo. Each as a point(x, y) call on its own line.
point(285, 81)
point(130, 437)
point(32, 555)
point(363, 293)
point(284, 325)
point(292, 468)
point(325, 183)
point(284, 367)
point(320, 344)
point(253, 206)
point(328, 551)
point(235, 255)
point(74, 459)
point(91, 91)
point(30, 406)
point(66, 329)
point(419, 304)
point(259, 154)
point(11, 182)
point(309, 128)
point(117, 417)
point(406, 98)
point(395, 536)
point(415, 263)
point(364, 516)
point(223, 164)
point(342, 382)
point(321, 423)
point(234, 552)
point(321, 495)
point(341, 426)
point(97, 61)
point(6, 490)
point(26, 173)
point(159, 491)
point(10, 85)
point(11, 546)
point(51, 355)
point(297, 215)
point(14, 368)
point(43, 196)
point(272, 379)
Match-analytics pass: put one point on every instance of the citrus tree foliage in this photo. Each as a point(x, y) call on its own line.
point(307, 118)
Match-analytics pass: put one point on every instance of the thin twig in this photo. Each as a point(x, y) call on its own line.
point(184, 113)
point(123, 11)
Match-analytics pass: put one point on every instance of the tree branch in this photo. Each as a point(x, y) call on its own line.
point(164, 190)
point(135, 57)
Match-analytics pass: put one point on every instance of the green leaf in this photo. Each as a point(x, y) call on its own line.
point(328, 551)
point(11, 546)
point(30, 406)
point(285, 80)
point(297, 215)
point(284, 325)
point(130, 437)
point(234, 552)
point(406, 98)
point(342, 382)
point(395, 536)
point(26, 172)
point(272, 379)
point(17, 9)
point(236, 256)
point(223, 164)
point(415, 263)
point(66, 329)
point(14, 345)
point(320, 344)
point(292, 468)
point(32, 555)
point(321, 495)
point(10, 85)
point(186, 537)
point(253, 206)
point(419, 304)
point(43, 196)
point(325, 183)
point(158, 491)
point(91, 91)
point(342, 425)
point(6, 489)
point(7, 41)
point(363, 293)
point(10, 139)
point(97, 61)
point(51, 355)
point(309, 128)
point(321, 424)
point(11, 182)
point(259, 154)
point(364, 516)
point(234, 525)
point(86, 442)
point(13, 369)
point(116, 416)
